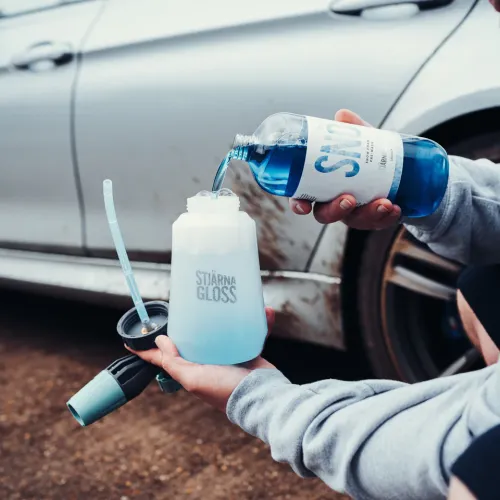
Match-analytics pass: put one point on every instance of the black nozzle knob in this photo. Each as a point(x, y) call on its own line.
point(131, 330)
point(132, 374)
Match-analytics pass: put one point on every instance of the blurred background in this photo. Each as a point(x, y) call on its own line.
point(150, 94)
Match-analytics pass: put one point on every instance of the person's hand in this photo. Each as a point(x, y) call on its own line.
point(458, 490)
point(211, 383)
point(378, 214)
point(496, 4)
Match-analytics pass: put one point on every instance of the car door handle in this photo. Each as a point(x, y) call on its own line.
point(357, 7)
point(54, 53)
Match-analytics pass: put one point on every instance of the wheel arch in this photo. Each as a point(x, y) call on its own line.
point(464, 126)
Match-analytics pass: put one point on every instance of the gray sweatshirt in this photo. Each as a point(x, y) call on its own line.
point(382, 439)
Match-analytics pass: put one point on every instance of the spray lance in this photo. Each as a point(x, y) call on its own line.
point(127, 377)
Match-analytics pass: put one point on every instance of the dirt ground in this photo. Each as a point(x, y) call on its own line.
point(156, 447)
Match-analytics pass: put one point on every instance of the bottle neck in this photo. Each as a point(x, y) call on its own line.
point(207, 202)
point(242, 145)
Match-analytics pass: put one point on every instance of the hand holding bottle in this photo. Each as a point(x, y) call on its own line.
point(213, 384)
point(378, 214)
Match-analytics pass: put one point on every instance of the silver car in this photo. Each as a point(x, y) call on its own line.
point(150, 93)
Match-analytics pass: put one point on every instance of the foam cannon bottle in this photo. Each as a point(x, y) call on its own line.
point(317, 160)
point(216, 303)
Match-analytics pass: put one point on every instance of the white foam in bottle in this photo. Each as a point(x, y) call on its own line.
point(216, 304)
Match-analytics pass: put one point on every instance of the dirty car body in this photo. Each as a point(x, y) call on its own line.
point(151, 93)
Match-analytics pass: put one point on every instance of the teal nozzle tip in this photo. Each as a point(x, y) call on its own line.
point(123, 380)
point(100, 396)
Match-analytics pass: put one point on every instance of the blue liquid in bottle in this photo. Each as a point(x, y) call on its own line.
point(276, 154)
point(424, 177)
point(276, 163)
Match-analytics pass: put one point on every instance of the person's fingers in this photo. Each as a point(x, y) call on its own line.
point(395, 214)
point(152, 356)
point(378, 214)
point(348, 116)
point(377, 209)
point(388, 220)
point(338, 209)
point(496, 4)
point(300, 207)
point(257, 363)
point(167, 347)
point(371, 213)
point(165, 356)
point(172, 362)
point(270, 316)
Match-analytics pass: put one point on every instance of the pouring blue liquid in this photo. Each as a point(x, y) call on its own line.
point(276, 154)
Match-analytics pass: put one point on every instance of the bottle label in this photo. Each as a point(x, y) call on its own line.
point(350, 159)
point(215, 287)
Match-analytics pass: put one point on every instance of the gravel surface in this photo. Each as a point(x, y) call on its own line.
point(156, 447)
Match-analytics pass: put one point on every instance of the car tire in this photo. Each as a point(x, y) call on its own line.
point(410, 327)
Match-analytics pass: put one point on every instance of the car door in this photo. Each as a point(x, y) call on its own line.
point(39, 41)
point(165, 85)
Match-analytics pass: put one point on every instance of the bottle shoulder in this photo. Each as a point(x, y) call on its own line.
point(203, 220)
point(279, 128)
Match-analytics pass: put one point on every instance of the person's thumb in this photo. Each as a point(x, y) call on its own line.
point(166, 346)
point(347, 116)
point(171, 360)
point(270, 316)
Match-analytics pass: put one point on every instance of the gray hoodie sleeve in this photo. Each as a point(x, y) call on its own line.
point(376, 439)
point(466, 226)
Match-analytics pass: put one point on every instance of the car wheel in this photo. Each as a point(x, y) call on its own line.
point(410, 324)
point(409, 321)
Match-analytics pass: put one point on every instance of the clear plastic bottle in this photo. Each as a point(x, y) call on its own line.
point(216, 313)
point(315, 159)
